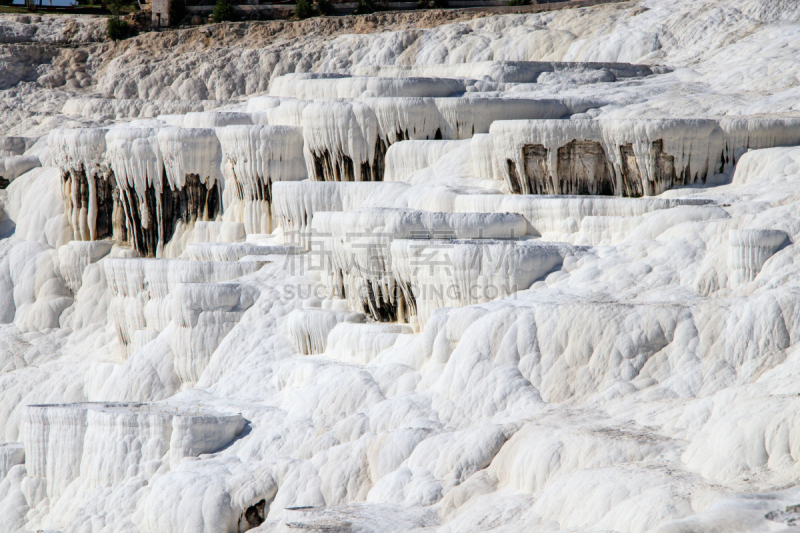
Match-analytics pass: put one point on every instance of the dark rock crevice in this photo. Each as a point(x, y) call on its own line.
point(631, 174)
point(146, 221)
point(254, 516)
point(663, 166)
point(534, 157)
point(340, 167)
point(583, 168)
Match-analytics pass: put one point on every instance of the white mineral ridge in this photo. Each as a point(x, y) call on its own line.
point(289, 276)
point(83, 440)
point(211, 232)
point(253, 158)
point(406, 157)
point(13, 167)
point(133, 108)
point(74, 257)
point(308, 329)
point(235, 251)
point(296, 203)
point(294, 86)
point(135, 157)
point(190, 151)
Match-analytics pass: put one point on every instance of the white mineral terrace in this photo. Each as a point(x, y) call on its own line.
point(103, 443)
point(447, 271)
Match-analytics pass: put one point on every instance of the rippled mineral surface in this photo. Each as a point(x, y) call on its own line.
point(445, 271)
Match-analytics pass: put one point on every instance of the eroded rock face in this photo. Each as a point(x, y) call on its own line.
point(539, 179)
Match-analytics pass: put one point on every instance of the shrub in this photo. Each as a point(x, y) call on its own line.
point(325, 7)
point(177, 12)
point(118, 29)
point(223, 11)
point(518, 2)
point(365, 7)
point(302, 9)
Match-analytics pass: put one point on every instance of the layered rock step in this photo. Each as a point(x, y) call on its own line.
point(313, 86)
point(141, 290)
point(598, 217)
point(362, 262)
point(308, 329)
point(348, 140)
point(566, 214)
point(357, 343)
point(237, 251)
point(622, 157)
point(456, 273)
point(210, 232)
point(105, 443)
point(515, 72)
point(11, 455)
point(204, 313)
point(141, 185)
point(75, 256)
point(295, 203)
point(13, 167)
point(343, 335)
point(405, 157)
point(216, 119)
point(132, 108)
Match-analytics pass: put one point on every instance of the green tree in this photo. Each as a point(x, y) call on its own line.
point(223, 11)
point(302, 9)
point(117, 29)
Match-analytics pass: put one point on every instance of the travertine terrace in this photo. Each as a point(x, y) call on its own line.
point(447, 272)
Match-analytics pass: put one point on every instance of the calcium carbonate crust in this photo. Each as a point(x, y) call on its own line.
point(529, 272)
